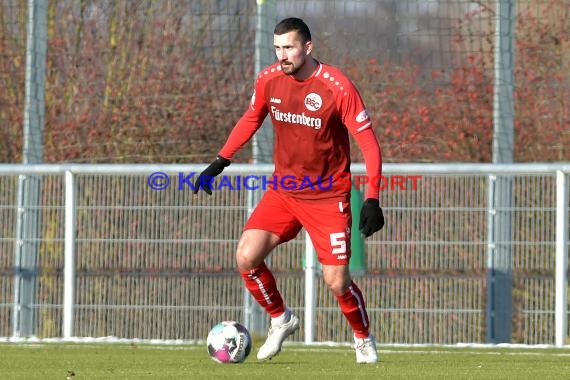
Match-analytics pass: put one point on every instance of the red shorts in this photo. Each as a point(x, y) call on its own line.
point(327, 222)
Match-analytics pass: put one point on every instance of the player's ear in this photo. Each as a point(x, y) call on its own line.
point(308, 47)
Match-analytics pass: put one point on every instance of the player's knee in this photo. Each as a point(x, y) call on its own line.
point(338, 285)
point(246, 257)
point(253, 247)
point(244, 262)
point(337, 278)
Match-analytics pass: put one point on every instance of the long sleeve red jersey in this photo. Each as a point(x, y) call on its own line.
point(312, 121)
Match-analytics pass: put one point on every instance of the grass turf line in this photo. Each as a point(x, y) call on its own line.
point(132, 361)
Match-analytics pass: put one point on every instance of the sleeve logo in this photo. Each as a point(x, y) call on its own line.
point(362, 116)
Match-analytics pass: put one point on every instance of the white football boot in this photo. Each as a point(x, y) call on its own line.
point(366, 349)
point(278, 332)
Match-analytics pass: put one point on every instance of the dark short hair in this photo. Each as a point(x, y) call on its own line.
point(293, 24)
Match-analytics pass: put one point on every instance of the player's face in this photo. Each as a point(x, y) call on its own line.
point(291, 52)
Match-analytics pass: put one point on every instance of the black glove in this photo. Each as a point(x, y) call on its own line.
point(205, 178)
point(371, 217)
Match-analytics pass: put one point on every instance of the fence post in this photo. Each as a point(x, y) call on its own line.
point(255, 317)
point(69, 252)
point(561, 307)
point(262, 142)
point(28, 225)
point(499, 260)
point(499, 279)
point(310, 289)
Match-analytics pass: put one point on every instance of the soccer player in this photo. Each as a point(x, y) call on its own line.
point(313, 108)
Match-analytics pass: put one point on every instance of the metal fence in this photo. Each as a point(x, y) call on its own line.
point(117, 258)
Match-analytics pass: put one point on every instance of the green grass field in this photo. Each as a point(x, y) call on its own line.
point(142, 361)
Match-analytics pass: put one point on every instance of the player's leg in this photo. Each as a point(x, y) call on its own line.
point(352, 305)
point(270, 225)
point(332, 243)
point(253, 247)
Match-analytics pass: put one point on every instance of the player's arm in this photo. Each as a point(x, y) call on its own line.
point(242, 132)
point(372, 155)
point(358, 122)
point(371, 215)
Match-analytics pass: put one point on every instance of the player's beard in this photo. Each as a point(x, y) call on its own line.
point(291, 69)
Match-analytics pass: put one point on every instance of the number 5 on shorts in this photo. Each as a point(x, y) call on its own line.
point(338, 243)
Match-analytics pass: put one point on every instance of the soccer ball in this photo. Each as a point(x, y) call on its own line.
point(229, 342)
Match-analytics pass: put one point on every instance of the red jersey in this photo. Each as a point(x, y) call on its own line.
point(312, 119)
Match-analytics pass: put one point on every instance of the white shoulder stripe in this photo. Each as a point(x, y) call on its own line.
point(319, 69)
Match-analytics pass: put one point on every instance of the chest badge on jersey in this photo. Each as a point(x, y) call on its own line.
point(313, 102)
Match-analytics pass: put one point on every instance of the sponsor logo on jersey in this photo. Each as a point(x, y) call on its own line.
point(296, 118)
point(275, 100)
point(362, 116)
point(313, 102)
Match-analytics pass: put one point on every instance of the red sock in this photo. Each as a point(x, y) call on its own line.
point(262, 286)
point(353, 307)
